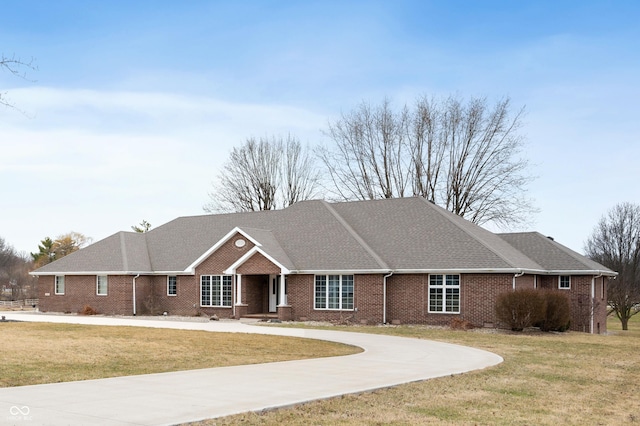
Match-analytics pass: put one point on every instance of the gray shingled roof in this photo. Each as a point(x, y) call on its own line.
point(549, 254)
point(405, 234)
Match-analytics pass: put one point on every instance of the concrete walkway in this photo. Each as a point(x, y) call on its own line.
point(172, 398)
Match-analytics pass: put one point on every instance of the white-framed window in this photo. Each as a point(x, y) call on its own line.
point(101, 285)
point(59, 285)
point(333, 292)
point(564, 282)
point(172, 285)
point(444, 293)
point(215, 290)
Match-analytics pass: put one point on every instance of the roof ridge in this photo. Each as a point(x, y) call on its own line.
point(355, 235)
point(123, 250)
point(448, 216)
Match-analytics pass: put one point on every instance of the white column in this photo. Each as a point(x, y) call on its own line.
point(239, 289)
point(283, 301)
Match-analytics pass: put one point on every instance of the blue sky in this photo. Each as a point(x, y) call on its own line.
point(136, 105)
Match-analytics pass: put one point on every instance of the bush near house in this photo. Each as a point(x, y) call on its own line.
point(549, 310)
point(520, 309)
point(557, 311)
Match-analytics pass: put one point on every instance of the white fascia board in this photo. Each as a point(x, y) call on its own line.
point(458, 271)
point(232, 269)
point(583, 272)
point(191, 268)
point(341, 271)
point(86, 273)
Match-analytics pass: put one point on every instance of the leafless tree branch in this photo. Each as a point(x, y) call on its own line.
point(461, 155)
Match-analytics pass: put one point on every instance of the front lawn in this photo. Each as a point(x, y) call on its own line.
point(35, 353)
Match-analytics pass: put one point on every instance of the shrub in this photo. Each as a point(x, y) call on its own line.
point(557, 311)
point(88, 310)
point(520, 309)
point(460, 324)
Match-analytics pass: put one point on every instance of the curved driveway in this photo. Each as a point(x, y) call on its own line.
point(184, 396)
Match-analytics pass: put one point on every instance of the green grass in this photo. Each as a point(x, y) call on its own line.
point(546, 379)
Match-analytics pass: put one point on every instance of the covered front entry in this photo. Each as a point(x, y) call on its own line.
point(259, 294)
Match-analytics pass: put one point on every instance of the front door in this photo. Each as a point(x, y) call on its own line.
point(273, 292)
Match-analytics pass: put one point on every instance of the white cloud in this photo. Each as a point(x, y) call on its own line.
point(98, 161)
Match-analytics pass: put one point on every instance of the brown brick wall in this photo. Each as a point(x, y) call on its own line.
point(80, 290)
point(407, 295)
point(526, 282)
point(258, 264)
point(408, 298)
point(255, 293)
point(367, 300)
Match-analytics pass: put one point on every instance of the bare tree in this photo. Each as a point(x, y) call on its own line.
point(17, 67)
point(15, 281)
point(615, 243)
point(463, 156)
point(368, 159)
point(264, 174)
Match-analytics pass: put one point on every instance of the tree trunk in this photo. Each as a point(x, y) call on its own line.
point(625, 323)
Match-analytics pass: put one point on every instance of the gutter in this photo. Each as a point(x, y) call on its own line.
point(517, 275)
point(134, 294)
point(593, 297)
point(384, 297)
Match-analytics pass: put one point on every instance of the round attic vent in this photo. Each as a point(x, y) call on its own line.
point(240, 243)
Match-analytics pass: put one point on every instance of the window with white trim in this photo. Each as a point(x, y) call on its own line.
point(444, 293)
point(101, 285)
point(333, 292)
point(59, 287)
point(172, 285)
point(564, 282)
point(215, 290)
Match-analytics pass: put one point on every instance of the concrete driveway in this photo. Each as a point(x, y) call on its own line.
point(185, 396)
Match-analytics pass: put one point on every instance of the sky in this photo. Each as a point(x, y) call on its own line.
point(135, 106)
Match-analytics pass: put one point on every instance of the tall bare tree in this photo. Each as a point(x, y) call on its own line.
point(264, 174)
point(17, 67)
point(464, 156)
point(15, 281)
point(615, 243)
point(368, 160)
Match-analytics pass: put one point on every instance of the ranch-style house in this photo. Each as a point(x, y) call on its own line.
point(402, 260)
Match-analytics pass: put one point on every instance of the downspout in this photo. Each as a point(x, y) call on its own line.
point(384, 297)
point(518, 275)
point(593, 298)
point(134, 294)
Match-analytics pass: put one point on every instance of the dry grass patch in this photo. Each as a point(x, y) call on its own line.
point(35, 353)
point(546, 379)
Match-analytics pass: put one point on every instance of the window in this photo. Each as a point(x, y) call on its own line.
point(215, 290)
point(565, 282)
point(444, 293)
point(334, 292)
point(101, 288)
point(59, 284)
point(172, 285)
